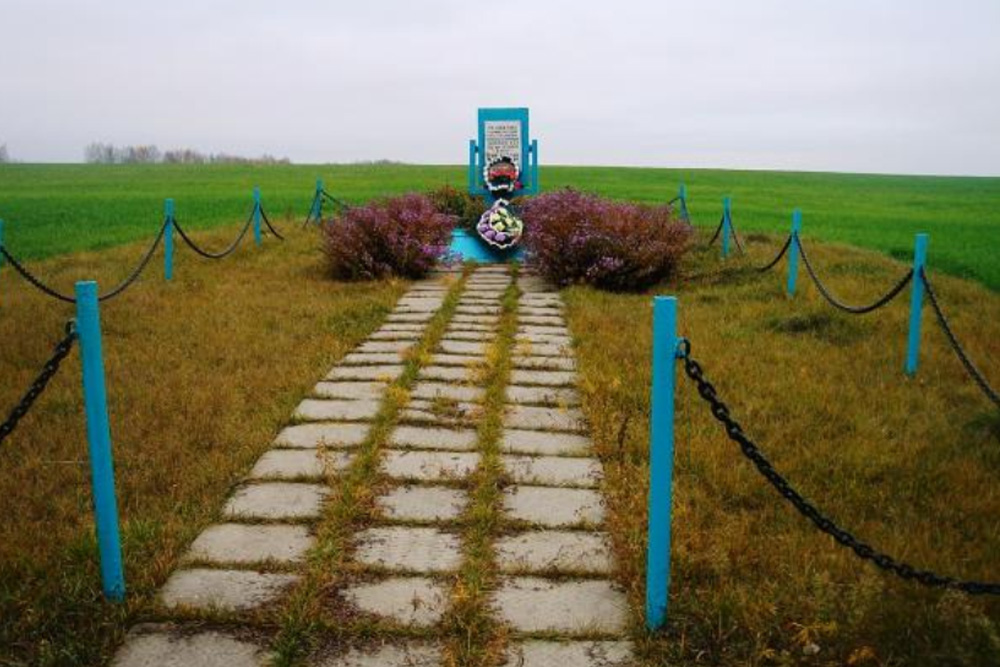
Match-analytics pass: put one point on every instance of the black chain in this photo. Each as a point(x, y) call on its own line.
point(269, 225)
point(736, 237)
point(718, 230)
point(140, 267)
point(214, 255)
point(32, 280)
point(333, 200)
point(970, 368)
point(836, 303)
point(312, 209)
point(865, 551)
point(777, 258)
point(63, 348)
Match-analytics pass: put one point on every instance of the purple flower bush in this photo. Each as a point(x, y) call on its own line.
point(573, 237)
point(400, 236)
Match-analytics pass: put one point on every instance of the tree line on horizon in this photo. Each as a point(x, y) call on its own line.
point(106, 153)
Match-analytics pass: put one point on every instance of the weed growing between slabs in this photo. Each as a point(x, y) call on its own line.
point(908, 464)
point(200, 372)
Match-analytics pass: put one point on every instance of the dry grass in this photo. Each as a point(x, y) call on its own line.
point(910, 465)
point(201, 372)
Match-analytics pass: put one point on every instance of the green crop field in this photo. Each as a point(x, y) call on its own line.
point(54, 209)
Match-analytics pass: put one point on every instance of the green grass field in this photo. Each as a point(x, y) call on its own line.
point(54, 209)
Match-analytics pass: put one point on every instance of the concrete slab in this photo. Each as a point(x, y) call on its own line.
point(429, 466)
point(418, 601)
point(546, 378)
point(530, 604)
point(409, 317)
point(337, 410)
point(470, 336)
point(554, 507)
point(422, 437)
point(541, 319)
point(450, 413)
point(476, 319)
point(402, 327)
point(538, 339)
point(379, 372)
point(523, 362)
point(240, 543)
point(550, 653)
point(544, 418)
point(542, 350)
point(376, 346)
point(477, 310)
point(352, 390)
point(461, 347)
point(555, 551)
point(229, 590)
point(455, 392)
point(516, 441)
point(408, 654)
point(296, 463)
point(459, 373)
point(543, 310)
point(553, 470)
point(276, 500)
point(175, 649)
point(466, 361)
point(423, 503)
point(553, 330)
point(306, 436)
point(554, 396)
point(372, 359)
point(409, 549)
point(468, 326)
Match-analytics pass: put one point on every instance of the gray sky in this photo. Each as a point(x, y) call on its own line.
point(906, 86)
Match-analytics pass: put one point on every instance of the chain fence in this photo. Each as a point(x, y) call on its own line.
point(51, 367)
point(230, 249)
point(862, 549)
point(963, 356)
point(267, 221)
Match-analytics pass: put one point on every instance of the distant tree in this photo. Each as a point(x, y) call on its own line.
point(99, 153)
point(4, 155)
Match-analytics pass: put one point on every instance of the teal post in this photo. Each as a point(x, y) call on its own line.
point(534, 166)
point(168, 240)
point(95, 400)
point(682, 196)
point(256, 215)
point(916, 304)
point(318, 201)
point(472, 166)
point(793, 252)
point(661, 459)
point(726, 225)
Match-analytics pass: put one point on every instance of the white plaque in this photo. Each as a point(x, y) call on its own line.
point(503, 138)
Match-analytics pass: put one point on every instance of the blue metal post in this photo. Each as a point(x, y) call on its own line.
point(318, 201)
point(256, 215)
point(472, 167)
point(534, 166)
point(726, 225)
point(661, 460)
point(793, 252)
point(682, 196)
point(88, 326)
point(168, 240)
point(916, 304)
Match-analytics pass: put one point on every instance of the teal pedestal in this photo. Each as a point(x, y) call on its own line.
point(473, 249)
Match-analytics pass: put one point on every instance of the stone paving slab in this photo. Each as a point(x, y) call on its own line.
point(541, 350)
point(353, 390)
point(377, 346)
point(276, 500)
point(409, 549)
point(545, 419)
point(383, 373)
point(555, 551)
point(455, 392)
point(545, 310)
point(549, 329)
point(422, 437)
point(530, 604)
point(429, 466)
point(307, 436)
point(229, 590)
point(403, 327)
point(458, 373)
point(477, 310)
point(469, 326)
point(541, 339)
point(461, 347)
point(466, 361)
point(295, 463)
point(409, 317)
point(372, 359)
point(452, 414)
point(553, 507)
point(542, 395)
point(476, 319)
point(412, 336)
point(469, 336)
point(517, 441)
point(552, 470)
point(410, 654)
point(522, 362)
point(183, 649)
point(541, 319)
point(337, 410)
point(240, 543)
point(423, 503)
point(418, 601)
point(547, 378)
point(549, 653)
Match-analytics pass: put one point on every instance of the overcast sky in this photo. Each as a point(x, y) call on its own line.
point(905, 86)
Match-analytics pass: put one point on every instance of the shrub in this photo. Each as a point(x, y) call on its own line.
point(452, 201)
point(573, 237)
point(401, 236)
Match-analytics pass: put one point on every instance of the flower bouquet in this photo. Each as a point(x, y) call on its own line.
point(499, 227)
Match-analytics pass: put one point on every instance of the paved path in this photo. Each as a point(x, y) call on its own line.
point(550, 564)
